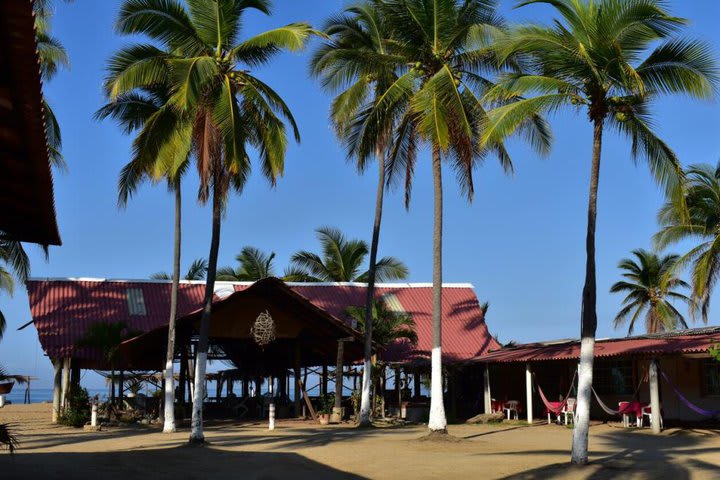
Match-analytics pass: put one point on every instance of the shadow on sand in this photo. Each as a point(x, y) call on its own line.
point(633, 455)
point(169, 463)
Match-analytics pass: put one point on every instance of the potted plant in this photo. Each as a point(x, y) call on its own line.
point(326, 405)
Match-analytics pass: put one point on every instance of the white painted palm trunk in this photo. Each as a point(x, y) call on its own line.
point(93, 413)
point(579, 454)
point(169, 409)
point(196, 425)
point(365, 394)
point(437, 421)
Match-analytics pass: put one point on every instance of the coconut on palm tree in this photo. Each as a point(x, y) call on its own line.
point(253, 265)
point(650, 286)
point(216, 112)
point(608, 59)
point(697, 217)
point(356, 63)
point(341, 260)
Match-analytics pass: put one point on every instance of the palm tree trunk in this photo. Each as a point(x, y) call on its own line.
point(196, 433)
point(437, 422)
point(367, 367)
point(112, 387)
point(579, 453)
point(169, 425)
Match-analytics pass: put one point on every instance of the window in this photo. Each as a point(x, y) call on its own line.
point(136, 301)
point(614, 377)
point(710, 377)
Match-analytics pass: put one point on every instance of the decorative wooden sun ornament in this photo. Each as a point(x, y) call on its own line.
point(263, 330)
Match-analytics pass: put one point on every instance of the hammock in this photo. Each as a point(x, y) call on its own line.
point(688, 403)
point(628, 406)
point(556, 407)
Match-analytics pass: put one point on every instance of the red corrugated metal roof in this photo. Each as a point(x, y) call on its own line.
point(63, 309)
point(697, 340)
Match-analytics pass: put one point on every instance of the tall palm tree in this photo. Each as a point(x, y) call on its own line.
point(356, 64)
point(700, 220)
point(444, 57)
point(650, 283)
point(341, 260)
point(608, 58)
point(132, 110)
point(254, 265)
point(217, 108)
point(196, 271)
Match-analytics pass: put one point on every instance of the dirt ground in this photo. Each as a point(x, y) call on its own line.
point(302, 450)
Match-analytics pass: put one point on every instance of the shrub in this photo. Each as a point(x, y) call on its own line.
point(77, 412)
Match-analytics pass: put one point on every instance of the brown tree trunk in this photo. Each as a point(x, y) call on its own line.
point(370, 295)
point(579, 453)
point(169, 410)
point(438, 421)
point(196, 434)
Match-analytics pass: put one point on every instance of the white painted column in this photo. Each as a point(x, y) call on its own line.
point(65, 382)
point(2, 401)
point(528, 392)
point(57, 390)
point(271, 416)
point(654, 396)
point(486, 390)
point(93, 414)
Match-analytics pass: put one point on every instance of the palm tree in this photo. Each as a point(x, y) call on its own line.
point(132, 110)
point(216, 110)
point(609, 58)
point(389, 327)
point(700, 220)
point(107, 338)
point(356, 63)
point(650, 284)
point(12, 256)
point(196, 271)
point(254, 265)
point(53, 56)
point(341, 260)
point(442, 50)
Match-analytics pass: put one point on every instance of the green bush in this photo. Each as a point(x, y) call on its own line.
point(77, 412)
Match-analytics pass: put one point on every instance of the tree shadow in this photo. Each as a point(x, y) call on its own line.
point(633, 455)
point(169, 463)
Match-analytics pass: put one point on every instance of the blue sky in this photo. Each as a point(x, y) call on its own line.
point(521, 243)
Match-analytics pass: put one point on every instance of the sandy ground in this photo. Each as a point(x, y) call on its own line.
point(302, 450)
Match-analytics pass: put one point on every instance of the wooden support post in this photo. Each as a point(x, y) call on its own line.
point(528, 392)
point(57, 389)
point(324, 382)
point(398, 387)
point(416, 383)
point(121, 389)
point(245, 387)
point(655, 419)
point(487, 396)
point(182, 380)
point(296, 375)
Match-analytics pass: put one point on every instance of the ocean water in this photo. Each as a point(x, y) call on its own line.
point(40, 395)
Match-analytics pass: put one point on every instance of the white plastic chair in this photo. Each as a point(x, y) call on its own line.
point(647, 412)
point(568, 411)
point(511, 406)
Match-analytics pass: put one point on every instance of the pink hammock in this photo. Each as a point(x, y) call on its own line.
point(556, 407)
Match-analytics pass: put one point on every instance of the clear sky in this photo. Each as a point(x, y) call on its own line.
point(521, 243)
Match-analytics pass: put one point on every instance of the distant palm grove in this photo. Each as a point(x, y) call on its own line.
point(445, 82)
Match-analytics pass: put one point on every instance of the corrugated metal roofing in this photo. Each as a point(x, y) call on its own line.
point(697, 340)
point(63, 309)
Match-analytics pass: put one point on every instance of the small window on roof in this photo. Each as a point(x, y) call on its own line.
point(136, 301)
